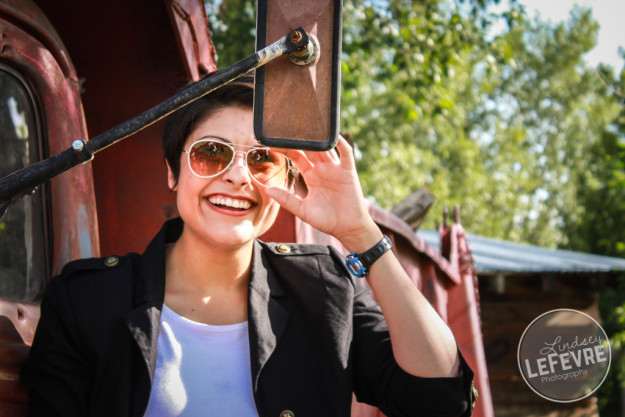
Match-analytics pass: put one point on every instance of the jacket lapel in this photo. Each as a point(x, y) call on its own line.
point(144, 325)
point(144, 320)
point(267, 318)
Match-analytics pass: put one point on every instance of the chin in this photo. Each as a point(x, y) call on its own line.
point(236, 236)
point(234, 232)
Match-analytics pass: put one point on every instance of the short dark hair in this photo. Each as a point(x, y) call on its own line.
point(180, 124)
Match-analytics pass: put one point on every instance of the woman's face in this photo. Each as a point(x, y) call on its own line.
point(228, 210)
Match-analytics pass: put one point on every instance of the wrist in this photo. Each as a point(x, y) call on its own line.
point(362, 239)
point(359, 264)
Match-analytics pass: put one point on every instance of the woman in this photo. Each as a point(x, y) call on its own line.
point(211, 321)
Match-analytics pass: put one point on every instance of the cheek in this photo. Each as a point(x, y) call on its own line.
point(188, 188)
point(271, 212)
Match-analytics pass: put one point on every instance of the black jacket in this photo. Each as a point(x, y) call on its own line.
point(315, 337)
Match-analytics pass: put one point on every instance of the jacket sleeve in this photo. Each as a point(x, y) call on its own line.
point(379, 381)
point(56, 369)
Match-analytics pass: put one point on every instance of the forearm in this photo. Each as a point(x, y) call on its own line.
point(422, 343)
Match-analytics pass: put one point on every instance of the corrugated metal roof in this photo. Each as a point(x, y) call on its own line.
point(494, 255)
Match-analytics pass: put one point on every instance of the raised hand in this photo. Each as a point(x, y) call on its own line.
point(335, 203)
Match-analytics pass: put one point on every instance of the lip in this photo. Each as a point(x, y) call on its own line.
point(230, 211)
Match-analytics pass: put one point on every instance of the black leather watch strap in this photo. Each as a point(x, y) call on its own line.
point(359, 264)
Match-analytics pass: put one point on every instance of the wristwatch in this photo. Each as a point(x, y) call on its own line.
point(358, 264)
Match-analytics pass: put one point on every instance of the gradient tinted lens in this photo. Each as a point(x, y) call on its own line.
point(267, 166)
point(208, 158)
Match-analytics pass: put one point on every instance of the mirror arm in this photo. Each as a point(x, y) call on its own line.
point(26, 180)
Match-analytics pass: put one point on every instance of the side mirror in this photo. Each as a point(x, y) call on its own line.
point(296, 103)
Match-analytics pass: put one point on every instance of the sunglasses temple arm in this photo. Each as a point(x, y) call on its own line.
point(26, 180)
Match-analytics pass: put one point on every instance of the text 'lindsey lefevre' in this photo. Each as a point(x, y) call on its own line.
point(578, 355)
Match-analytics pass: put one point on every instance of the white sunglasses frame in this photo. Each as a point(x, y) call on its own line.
point(289, 164)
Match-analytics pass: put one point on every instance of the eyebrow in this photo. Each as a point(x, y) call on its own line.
point(258, 144)
point(214, 137)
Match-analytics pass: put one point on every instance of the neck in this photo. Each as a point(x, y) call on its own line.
point(203, 266)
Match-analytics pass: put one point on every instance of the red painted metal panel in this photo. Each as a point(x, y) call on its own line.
point(30, 46)
point(463, 312)
point(25, 48)
point(127, 52)
point(194, 40)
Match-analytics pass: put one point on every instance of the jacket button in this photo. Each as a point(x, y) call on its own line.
point(284, 248)
point(287, 413)
point(111, 261)
point(475, 395)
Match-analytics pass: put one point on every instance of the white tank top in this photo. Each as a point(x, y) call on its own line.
point(201, 370)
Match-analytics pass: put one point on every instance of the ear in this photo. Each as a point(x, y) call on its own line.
point(171, 180)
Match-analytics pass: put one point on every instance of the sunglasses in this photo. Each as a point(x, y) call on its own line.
point(210, 157)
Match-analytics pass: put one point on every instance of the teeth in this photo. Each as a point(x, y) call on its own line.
point(229, 202)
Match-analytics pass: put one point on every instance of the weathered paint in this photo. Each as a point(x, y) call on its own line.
point(84, 237)
point(30, 46)
point(463, 312)
point(195, 42)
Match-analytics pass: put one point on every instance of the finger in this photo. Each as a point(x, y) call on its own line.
point(333, 155)
point(316, 157)
point(347, 153)
point(324, 156)
point(307, 169)
point(286, 200)
point(299, 159)
point(312, 156)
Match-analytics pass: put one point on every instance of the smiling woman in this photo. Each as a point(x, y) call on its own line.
point(212, 321)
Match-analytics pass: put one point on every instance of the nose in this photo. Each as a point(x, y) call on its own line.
point(237, 173)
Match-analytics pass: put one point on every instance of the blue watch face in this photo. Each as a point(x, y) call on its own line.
point(355, 267)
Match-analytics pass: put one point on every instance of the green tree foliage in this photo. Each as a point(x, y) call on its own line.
point(406, 66)
point(233, 29)
point(599, 227)
point(545, 112)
